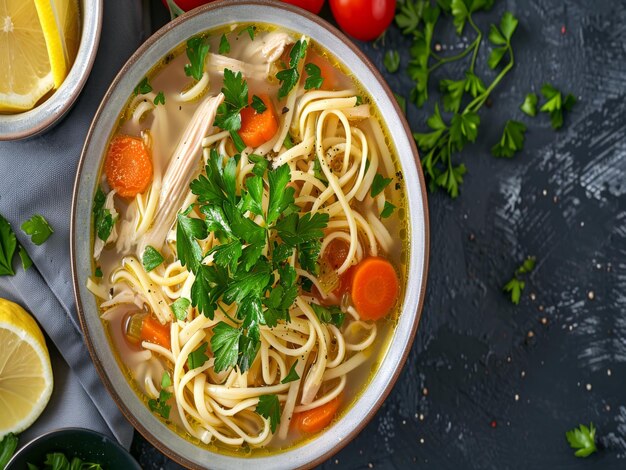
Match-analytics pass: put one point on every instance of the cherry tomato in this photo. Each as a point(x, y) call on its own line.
point(363, 19)
point(314, 6)
point(187, 5)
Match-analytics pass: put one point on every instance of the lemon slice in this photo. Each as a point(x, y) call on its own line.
point(25, 371)
point(60, 21)
point(25, 73)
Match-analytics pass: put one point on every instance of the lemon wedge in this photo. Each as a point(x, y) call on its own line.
point(25, 371)
point(25, 73)
point(60, 22)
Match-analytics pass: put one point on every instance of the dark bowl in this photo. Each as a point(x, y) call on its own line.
point(90, 446)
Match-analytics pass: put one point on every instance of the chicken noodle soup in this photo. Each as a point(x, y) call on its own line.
point(249, 239)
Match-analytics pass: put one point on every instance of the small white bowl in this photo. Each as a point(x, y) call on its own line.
point(43, 117)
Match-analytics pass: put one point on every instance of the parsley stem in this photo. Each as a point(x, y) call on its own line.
point(445, 60)
point(476, 104)
point(478, 40)
point(227, 315)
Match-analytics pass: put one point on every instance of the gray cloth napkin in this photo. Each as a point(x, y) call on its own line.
point(37, 177)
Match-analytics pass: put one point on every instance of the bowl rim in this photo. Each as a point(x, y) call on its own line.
point(107, 440)
point(392, 379)
point(37, 120)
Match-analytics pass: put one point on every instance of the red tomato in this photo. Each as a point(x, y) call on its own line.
point(363, 19)
point(187, 5)
point(314, 6)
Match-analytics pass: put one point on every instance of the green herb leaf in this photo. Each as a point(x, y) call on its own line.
point(392, 61)
point(8, 244)
point(512, 140)
point(166, 380)
point(289, 77)
point(224, 45)
point(527, 266)
point(409, 15)
point(198, 357)
point(314, 77)
point(209, 284)
point(98, 271)
point(583, 439)
point(451, 179)
point(160, 405)
point(529, 106)
point(225, 346)
point(555, 104)
point(258, 105)
point(143, 88)
point(387, 210)
point(38, 228)
point(331, 314)
point(260, 163)
point(269, 408)
point(464, 127)
point(292, 376)
point(460, 14)
point(288, 143)
point(197, 50)
point(452, 94)
point(250, 30)
point(159, 99)
point(7, 448)
point(473, 84)
point(515, 288)
point(188, 230)
point(151, 258)
point(379, 184)
point(180, 307)
point(103, 219)
point(235, 90)
point(281, 195)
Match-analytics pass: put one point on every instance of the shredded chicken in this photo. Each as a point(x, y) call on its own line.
point(183, 166)
point(99, 244)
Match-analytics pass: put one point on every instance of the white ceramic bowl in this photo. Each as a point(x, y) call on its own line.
point(158, 46)
point(43, 117)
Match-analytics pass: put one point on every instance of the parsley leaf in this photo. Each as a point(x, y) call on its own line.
point(179, 308)
point(144, 87)
point(516, 285)
point(555, 104)
point(197, 50)
point(166, 380)
point(452, 94)
point(103, 219)
point(250, 30)
point(258, 105)
point(387, 210)
point(8, 244)
point(583, 439)
point(409, 15)
point(198, 357)
point(159, 99)
point(38, 228)
point(290, 76)
point(281, 195)
point(235, 91)
point(512, 140)
point(331, 314)
point(292, 376)
point(379, 184)
point(98, 271)
point(288, 143)
point(224, 45)
point(473, 84)
point(209, 284)
point(269, 408)
point(225, 345)
point(501, 37)
point(314, 77)
point(391, 61)
point(260, 163)
point(27, 262)
point(151, 258)
point(7, 448)
point(187, 231)
point(529, 106)
point(160, 405)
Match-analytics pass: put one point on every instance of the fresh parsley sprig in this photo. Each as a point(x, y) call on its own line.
point(289, 77)
point(555, 104)
point(103, 219)
point(269, 407)
point(228, 117)
point(512, 140)
point(197, 50)
point(516, 285)
point(583, 439)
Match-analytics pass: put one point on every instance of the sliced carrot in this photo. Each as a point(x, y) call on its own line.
point(312, 421)
point(258, 128)
point(327, 71)
point(128, 166)
point(374, 288)
point(153, 332)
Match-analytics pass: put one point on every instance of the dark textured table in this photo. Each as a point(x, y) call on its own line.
point(489, 384)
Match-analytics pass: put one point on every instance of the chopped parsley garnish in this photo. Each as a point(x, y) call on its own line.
point(160, 405)
point(8, 244)
point(159, 99)
point(290, 76)
point(59, 461)
point(144, 87)
point(331, 314)
point(151, 258)
point(516, 285)
point(388, 209)
point(103, 219)
point(529, 106)
point(269, 408)
point(379, 184)
point(314, 77)
point(292, 376)
point(98, 272)
point(228, 115)
point(258, 105)
point(166, 380)
point(180, 307)
point(392, 61)
point(583, 439)
point(198, 357)
point(224, 45)
point(264, 288)
point(250, 30)
point(197, 50)
point(7, 448)
point(38, 228)
point(288, 143)
point(555, 104)
point(512, 140)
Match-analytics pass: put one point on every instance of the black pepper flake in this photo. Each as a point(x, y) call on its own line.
point(180, 108)
point(285, 110)
point(111, 292)
point(397, 185)
point(168, 58)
